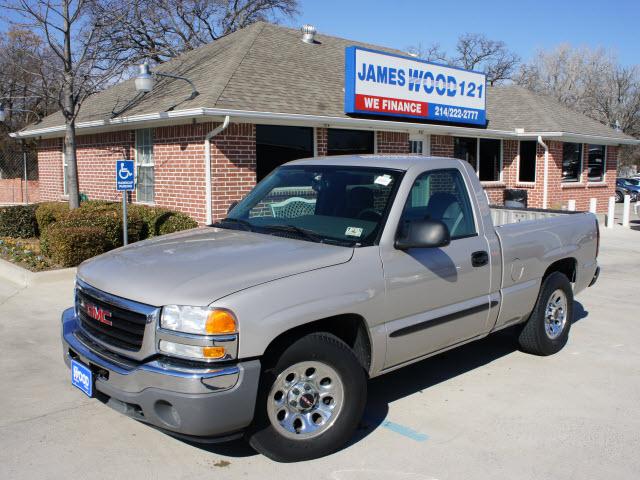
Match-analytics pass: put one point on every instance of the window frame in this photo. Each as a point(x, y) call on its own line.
point(476, 167)
point(469, 200)
point(602, 179)
point(138, 164)
point(535, 169)
point(580, 170)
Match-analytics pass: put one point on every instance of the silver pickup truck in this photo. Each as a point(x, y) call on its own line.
point(330, 271)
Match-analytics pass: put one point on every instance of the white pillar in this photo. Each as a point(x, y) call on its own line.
point(612, 212)
point(626, 211)
point(593, 205)
point(571, 205)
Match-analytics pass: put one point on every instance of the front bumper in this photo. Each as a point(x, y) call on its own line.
point(197, 403)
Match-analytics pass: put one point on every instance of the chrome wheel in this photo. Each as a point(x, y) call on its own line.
point(305, 400)
point(555, 317)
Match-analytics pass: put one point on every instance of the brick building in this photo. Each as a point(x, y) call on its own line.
point(266, 97)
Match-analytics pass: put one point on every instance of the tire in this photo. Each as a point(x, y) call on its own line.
point(619, 197)
point(311, 428)
point(544, 334)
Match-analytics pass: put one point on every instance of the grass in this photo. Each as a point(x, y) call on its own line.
point(25, 252)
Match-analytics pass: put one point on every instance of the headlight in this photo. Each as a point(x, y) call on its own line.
point(198, 320)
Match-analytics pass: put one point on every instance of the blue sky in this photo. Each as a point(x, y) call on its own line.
point(524, 25)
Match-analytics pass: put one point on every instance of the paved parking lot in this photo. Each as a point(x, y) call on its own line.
point(482, 411)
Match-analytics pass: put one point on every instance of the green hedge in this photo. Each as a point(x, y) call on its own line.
point(176, 222)
point(49, 212)
point(110, 220)
point(18, 221)
point(69, 246)
point(70, 237)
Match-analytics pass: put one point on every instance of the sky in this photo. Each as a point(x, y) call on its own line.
point(525, 26)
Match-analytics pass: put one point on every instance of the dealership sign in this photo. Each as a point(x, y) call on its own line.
point(378, 83)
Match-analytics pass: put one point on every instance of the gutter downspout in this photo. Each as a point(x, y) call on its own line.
point(545, 187)
point(207, 166)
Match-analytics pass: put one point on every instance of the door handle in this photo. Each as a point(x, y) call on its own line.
point(479, 259)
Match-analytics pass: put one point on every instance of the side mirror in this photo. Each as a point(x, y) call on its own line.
point(423, 234)
point(231, 205)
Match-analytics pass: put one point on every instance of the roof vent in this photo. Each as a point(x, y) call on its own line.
point(308, 33)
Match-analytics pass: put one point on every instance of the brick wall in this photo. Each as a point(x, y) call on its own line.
point(392, 142)
point(180, 170)
point(322, 141)
point(233, 164)
point(12, 190)
point(558, 194)
point(50, 169)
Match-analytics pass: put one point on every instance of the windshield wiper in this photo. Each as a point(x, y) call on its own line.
point(303, 232)
point(236, 221)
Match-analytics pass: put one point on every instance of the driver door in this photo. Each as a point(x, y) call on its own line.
point(438, 296)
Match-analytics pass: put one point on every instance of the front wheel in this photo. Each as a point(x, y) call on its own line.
point(619, 197)
point(310, 402)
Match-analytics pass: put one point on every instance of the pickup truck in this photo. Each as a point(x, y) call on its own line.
point(267, 324)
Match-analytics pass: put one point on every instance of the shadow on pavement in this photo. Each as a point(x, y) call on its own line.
point(411, 379)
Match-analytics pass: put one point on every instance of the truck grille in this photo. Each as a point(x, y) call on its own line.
point(109, 323)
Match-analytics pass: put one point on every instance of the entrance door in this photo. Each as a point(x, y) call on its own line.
point(440, 296)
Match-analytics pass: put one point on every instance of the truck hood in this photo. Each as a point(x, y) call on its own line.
point(197, 267)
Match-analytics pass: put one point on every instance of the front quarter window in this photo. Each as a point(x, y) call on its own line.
point(324, 203)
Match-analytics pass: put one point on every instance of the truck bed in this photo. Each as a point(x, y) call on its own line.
point(504, 215)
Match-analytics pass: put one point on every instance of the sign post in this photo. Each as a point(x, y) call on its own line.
point(125, 182)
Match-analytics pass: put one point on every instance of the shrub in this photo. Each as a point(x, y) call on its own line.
point(49, 212)
point(177, 222)
point(110, 220)
point(69, 246)
point(18, 221)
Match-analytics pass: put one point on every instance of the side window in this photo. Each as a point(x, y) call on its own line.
point(441, 195)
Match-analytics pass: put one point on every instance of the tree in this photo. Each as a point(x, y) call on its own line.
point(162, 29)
point(592, 82)
point(82, 61)
point(474, 51)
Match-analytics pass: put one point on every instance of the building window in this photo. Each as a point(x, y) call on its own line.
point(276, 144)
point(466, 148)
point(65, 169)
point(145, 184)
point(349, 142)
point(484, 155)
point(571, 162)
point(596, 165)
point(527, 164)
point(490, 158)
point(415, 146)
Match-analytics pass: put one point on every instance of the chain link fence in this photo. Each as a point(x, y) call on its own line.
point(18, 176)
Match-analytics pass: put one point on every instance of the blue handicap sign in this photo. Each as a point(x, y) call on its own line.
point(125, 175)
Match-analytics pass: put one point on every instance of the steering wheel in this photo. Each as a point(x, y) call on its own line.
point(369, 214)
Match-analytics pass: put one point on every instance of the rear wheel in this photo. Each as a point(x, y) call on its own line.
point(619, 197)
point(547, 329)
point(310, 402)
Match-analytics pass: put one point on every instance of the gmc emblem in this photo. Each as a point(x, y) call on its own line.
point(98, 313)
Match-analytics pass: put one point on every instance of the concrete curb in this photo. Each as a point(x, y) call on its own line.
point(24, 278)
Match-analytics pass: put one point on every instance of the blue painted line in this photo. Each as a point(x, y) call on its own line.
point(405, 431)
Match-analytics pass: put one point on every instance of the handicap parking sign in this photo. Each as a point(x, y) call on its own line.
point(125, 175)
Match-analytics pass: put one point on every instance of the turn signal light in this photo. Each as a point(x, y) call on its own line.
point(213, 352)
point(220, 321)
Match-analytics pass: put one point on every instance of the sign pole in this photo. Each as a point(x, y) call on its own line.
point(125, 239)
point(125, 182)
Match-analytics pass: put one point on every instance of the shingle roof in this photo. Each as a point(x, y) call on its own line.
point(268, 68)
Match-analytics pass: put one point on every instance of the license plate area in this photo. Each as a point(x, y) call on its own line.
point(82, 377)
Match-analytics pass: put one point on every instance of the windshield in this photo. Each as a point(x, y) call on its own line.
point(328, 203)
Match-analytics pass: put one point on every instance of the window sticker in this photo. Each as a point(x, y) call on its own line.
point(383, 180)
point(353, 232)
